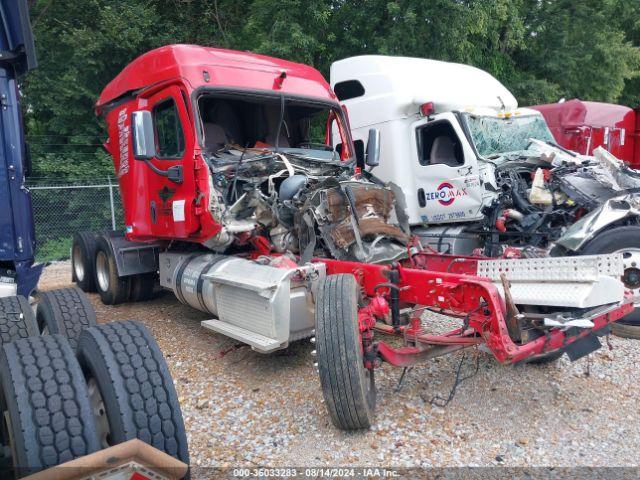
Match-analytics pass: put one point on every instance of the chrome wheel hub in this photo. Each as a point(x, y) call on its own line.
point(78, 263)
point(102, 271)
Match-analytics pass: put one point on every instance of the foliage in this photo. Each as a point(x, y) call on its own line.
point(542, 50)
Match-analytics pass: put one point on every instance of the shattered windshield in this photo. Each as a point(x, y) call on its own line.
point(496, 136)
point(251, 126)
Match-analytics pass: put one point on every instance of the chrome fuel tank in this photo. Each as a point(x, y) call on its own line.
point(263, 305)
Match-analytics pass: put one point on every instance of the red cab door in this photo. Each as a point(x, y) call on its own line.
point(165, 206)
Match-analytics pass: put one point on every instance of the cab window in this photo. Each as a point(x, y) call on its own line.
point(438, 144)
point(169, 135)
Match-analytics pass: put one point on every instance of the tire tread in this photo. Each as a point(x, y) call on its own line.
point(16, 319)
point(66, 311)
point(137, 390)
point(48, 403)
point(340, 363)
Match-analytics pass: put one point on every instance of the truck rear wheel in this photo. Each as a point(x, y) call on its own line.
point(66, 311)
point(113, 289)
point(45, 404)
point(126, 365)
point(16, 320)
point(83, 251)
point(623, 240)
point(347, 387)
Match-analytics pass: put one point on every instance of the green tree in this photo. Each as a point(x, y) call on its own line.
point(541, 49)
point(577, 48)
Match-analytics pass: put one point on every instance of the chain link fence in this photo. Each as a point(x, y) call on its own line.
point(61, 209)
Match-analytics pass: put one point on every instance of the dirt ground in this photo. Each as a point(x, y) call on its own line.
point(242, 408)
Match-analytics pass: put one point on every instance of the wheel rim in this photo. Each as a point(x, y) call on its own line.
point(102, 271)
point(78, 263)
point(631, 276)
point(99, 412)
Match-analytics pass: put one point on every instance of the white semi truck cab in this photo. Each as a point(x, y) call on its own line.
point(441, 125)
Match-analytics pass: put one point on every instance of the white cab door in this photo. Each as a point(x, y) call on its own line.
point(445, 170)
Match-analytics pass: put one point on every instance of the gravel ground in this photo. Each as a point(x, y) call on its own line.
point(246, 409)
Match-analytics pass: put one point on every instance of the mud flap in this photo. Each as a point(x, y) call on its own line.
point(583, 347)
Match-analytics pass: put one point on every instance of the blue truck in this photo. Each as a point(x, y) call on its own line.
point(18, 272)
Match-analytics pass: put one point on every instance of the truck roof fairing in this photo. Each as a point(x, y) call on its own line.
point(397, 86)
point(202, 67)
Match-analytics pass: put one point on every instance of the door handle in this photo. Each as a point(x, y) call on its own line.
point(173, 174)
point(422, 199)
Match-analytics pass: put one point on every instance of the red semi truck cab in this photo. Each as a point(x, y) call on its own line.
point(170, 197)
point(583, 126)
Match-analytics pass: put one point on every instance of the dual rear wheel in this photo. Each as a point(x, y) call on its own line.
point(94, 270)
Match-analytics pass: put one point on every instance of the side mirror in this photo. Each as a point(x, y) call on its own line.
point(144, 145)
point(373, 148)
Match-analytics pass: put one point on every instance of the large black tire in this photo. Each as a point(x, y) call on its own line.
point(135, 385)
point(626, 331)
point(113, 289)
point(16, 319)
point(45, 395)
point(615, 240)
point(347, 387)
point(83, 252)
point(66, 311)
point(143, 287)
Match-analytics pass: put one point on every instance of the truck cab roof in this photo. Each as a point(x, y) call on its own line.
point(399, 85)
point(200, 67)
point(576, 113)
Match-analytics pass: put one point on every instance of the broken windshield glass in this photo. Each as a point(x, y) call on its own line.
point(496, 136)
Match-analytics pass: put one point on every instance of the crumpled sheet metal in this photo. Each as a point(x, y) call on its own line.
point(620, 176)
point(373, 207)
point(613, 210)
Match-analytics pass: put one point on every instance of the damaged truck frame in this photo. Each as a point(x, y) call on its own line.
point(235, 196)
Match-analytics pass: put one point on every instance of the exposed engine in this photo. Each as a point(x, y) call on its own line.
point(542, 192)
point(306, 202)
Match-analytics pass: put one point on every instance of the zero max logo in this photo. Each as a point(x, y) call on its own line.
point(446, 194)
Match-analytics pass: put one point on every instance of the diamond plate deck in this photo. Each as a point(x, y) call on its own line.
point(587, 268)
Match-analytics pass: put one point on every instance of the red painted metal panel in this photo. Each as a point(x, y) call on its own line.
point(225, 68)
point(583, 126)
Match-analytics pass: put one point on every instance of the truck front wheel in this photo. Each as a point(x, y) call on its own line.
point(143, 287)
point(113, 289)
point(625, 240)
point(347, 387)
